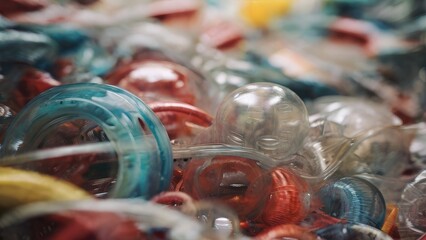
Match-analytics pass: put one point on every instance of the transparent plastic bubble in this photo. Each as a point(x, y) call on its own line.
point(355, 114)
point(418, 148)
point(382, 151)
point(390, 187)
point(416, 215)
point(413, 204)
point(264, 116)
point(321, 157)
point(321, 127)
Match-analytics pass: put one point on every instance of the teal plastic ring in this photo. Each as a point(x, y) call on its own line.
point(126, 120)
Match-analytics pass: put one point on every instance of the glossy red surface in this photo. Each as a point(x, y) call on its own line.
point(176, 200)
point(180, 119)
point(237, 182)
point(153, 80)
point(286, 202)
point(32, 83)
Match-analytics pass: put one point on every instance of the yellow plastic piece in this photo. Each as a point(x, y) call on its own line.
point(391, 217)
point(19, 187)
point(259, 13)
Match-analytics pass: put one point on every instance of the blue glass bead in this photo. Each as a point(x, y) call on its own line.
point(354, 199)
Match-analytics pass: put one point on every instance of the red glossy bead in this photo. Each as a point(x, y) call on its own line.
point(177, 200)
point(153, 80)
point(288, 200)
point(180, 119)
point(235, 181)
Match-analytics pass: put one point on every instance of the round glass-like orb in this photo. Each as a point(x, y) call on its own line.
point(384, 152)
point(288, 200)
point(355, 115)
point(235, 181)
point(413, 204)
point(136, 135)
point(416, 215)
point(264, 116)
point(380, 148)
point(354, 199)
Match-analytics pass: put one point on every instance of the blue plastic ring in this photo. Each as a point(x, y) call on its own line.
point(125, 119)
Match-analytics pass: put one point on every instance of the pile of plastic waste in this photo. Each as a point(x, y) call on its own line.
point(214, 119)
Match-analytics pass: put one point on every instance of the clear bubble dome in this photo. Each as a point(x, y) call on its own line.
point(264, 116)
